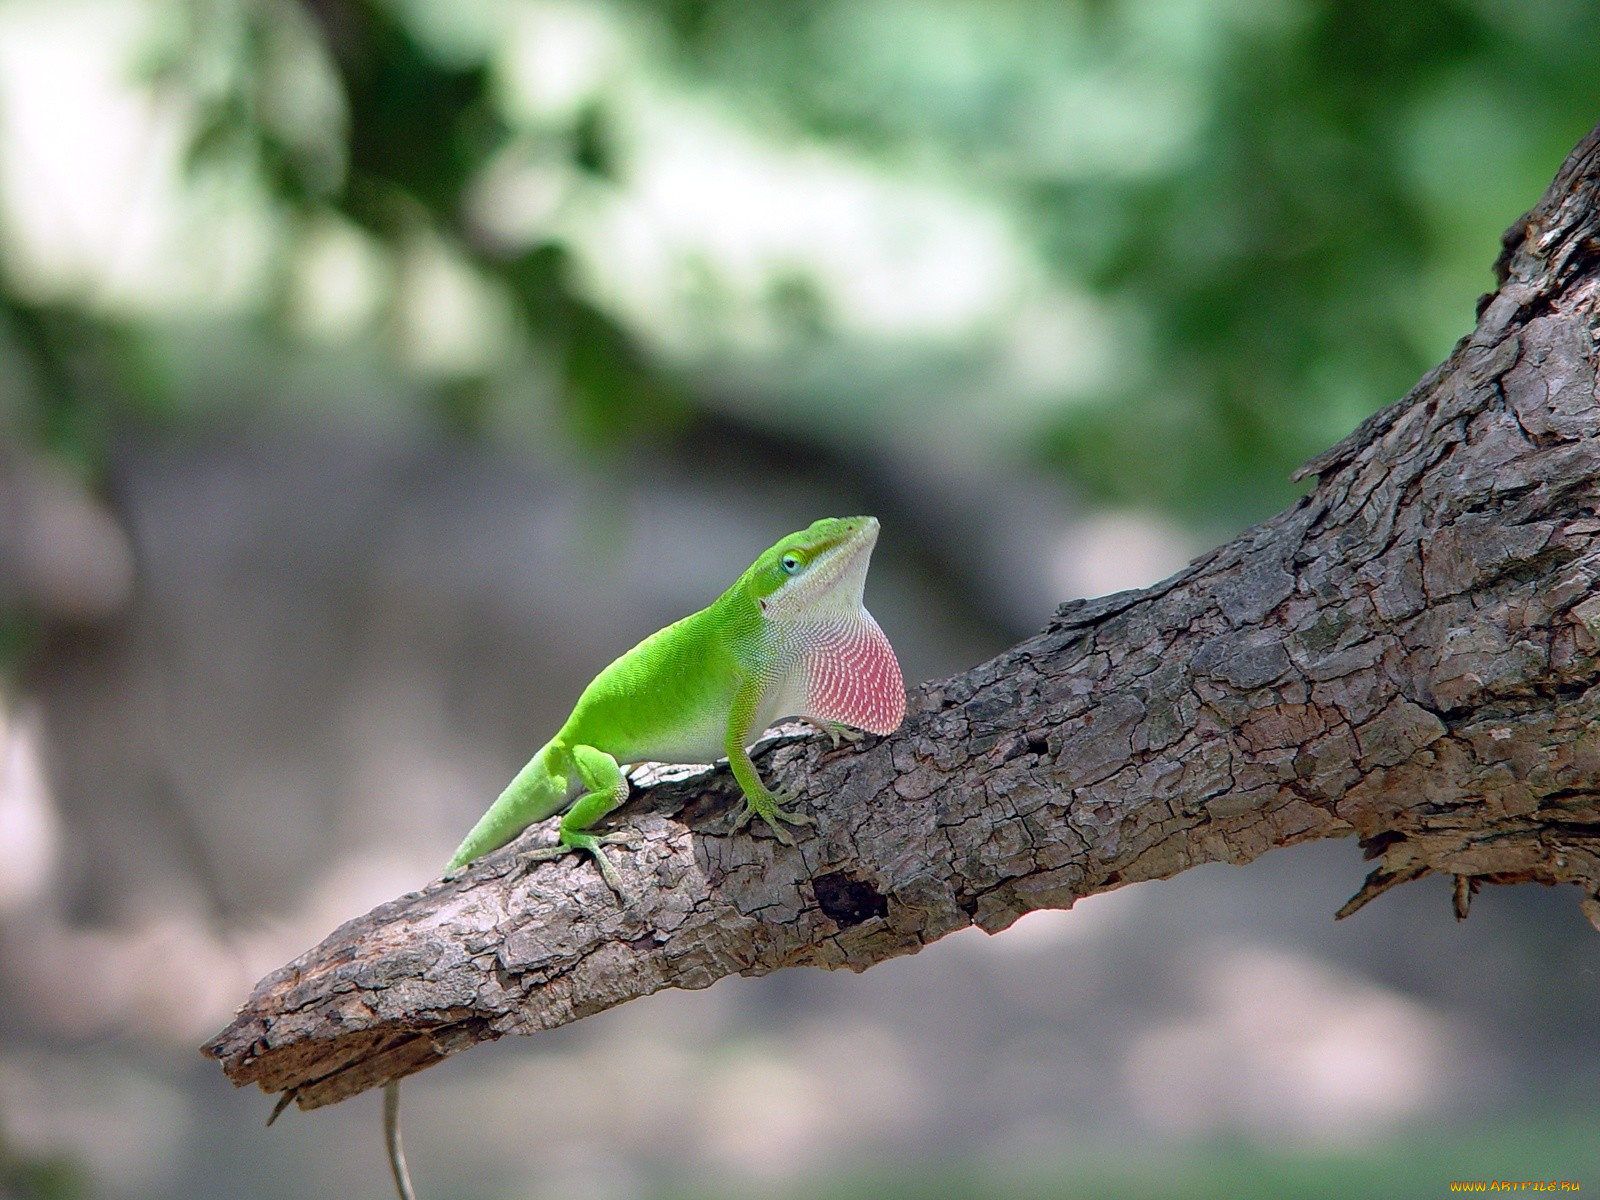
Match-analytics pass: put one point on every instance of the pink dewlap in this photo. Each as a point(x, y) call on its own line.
point(852, 677)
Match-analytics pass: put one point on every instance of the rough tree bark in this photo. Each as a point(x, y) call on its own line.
point(1409, 655)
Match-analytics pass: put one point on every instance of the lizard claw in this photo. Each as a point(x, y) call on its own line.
point(587, 843)
point(528, 858)
point(837, 733)
point(774, 814)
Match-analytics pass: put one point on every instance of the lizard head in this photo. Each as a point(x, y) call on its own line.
point(822, 569)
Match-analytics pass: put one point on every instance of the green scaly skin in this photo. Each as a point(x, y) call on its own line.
point(705, 687)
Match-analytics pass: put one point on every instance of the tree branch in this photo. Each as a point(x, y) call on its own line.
point(1408, 655)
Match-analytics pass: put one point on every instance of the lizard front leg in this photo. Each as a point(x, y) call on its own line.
point(759, 800)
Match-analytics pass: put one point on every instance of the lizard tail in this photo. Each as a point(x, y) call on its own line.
point(537, 792)
point(392, 1142)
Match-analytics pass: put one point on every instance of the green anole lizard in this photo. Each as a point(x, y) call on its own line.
point(791, 638)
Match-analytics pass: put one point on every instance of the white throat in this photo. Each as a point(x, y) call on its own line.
point(834, 585)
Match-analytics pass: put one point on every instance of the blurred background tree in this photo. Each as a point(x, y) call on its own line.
point(315, 313)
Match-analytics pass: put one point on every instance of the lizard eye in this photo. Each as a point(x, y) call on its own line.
point(790, 564)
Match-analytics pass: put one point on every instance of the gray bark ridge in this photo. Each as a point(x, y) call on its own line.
point(1408, 656)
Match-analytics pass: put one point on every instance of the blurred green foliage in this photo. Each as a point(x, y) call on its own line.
point(1285, 208)
point(1309, 208)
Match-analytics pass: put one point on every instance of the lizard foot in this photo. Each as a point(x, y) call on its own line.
point(587, 843)
point(838, 733)
point(773, 812)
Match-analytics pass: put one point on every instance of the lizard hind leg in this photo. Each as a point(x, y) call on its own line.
point(605, 787)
